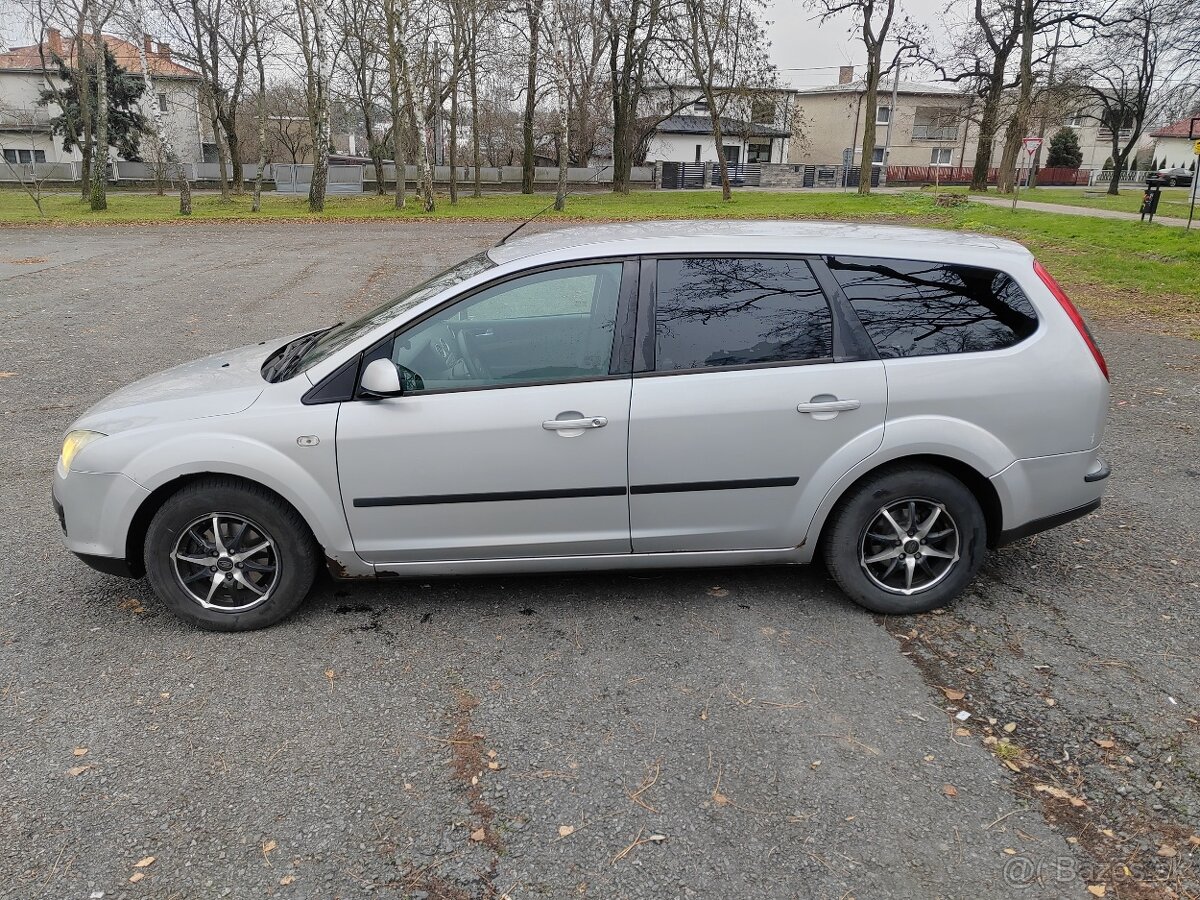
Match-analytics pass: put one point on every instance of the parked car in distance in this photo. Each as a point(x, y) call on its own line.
point(1180, 177)
point(894, 401)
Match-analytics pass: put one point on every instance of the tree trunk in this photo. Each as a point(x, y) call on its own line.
point(563, 85)
point(316, 189)
point(418, 116)
point(870, 111)
point(233, 142)
point(394, 100)
point(714, 115)
point(99, 193)
point(86, 130)
point(222, 162)
point(1020, 121)
point(534, 10)
point(261, 115)
point(453, 158)
point(166, 151)
point(476, 154)
point(989, 121)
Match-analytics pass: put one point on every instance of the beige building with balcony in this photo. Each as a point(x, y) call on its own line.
point(929, 125)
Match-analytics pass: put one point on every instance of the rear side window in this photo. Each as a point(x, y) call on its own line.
point(713, 312)
point(914, 308)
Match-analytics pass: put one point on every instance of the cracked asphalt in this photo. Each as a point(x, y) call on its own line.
point(721, 733)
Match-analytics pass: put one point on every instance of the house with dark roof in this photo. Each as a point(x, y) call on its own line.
point(25, 134)
point(755, 125)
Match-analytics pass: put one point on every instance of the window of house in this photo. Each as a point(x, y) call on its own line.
point(698, 152)
point(883, 115)
point(1077, 118)
point(10, 156)
point(914, 308)
point(39, 156)
point(728, 311)
point(758, 153)
point(877, 156)
point(162, 102)
point(941, 156)
point(700, 106)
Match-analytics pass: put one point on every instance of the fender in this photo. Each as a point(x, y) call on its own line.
point(957, 439)
point(311, 487)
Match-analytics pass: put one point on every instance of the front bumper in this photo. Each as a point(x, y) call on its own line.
point(96, 512)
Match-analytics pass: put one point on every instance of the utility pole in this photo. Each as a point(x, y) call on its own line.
point(887, 144)
point(1037, 160)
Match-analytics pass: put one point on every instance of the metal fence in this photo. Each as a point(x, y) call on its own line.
point(1047, 175)
point(25, 173)
point(739, 176)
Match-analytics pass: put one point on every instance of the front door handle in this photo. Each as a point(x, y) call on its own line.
point(821, 406)
point(575, 424)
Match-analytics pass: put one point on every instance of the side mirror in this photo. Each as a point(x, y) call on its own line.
point(380, 379)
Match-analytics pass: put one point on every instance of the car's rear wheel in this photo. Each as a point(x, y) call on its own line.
point(227, 555)
point(906, 540)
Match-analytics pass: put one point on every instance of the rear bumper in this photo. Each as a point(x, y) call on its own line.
point(1045, 523)
point(1048, 491)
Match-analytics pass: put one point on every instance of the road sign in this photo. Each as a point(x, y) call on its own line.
point(1031, 145)
point(1196, 148)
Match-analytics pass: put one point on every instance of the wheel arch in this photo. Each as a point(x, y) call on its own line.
point(975, 481)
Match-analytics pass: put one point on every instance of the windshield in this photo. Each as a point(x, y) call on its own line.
point(345, 334)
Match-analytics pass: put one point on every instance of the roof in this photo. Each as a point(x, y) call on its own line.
point(1177, 129)
point(125, 53)
point(789, 236)
point(885, 88)
point(703, 125)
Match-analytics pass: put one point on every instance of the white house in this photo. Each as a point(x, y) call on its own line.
point(1173, 145)
point(754, 127)
point(25, 134)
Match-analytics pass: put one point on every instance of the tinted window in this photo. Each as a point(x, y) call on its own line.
point(923, 309)
point(715, 312)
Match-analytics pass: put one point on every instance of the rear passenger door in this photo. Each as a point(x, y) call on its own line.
point(748, 386)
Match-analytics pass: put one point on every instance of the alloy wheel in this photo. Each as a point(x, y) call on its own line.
point(909, 546)
point(226, 562)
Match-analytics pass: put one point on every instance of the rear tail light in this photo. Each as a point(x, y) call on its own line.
point(1069, 307)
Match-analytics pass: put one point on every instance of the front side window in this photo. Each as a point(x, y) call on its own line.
point(712, 312)
point(912, 308)
point(545, 327)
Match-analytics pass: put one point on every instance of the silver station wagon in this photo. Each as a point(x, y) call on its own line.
point(895, 401)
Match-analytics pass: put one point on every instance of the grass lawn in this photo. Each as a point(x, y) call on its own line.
point(1174, 201)
point(1113, 268)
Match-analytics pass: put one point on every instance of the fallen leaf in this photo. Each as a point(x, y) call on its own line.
point(137, 876)
point(268, 847)
point(720, 799)
point(79, 770)
point(815, 764)
point(1108, 832)
point(1050, 701)
point(1009, 851)
point(408, 786)
point(1167, 851)
point(1104, 742)
point(491, 754)
point(717, 592)
point(657, 838)
point(1010, 727)
point(166, 695)
point(7, 374)
point(79, 751)
point(952, 694)
point(949, 790)
point(1096, 890)
point(287, 879)
point(493, 765)
point(1059, 794)
point(479, 834)
point(566, 830)
point(962, 732)
point(1194, 840)
point(144, 862)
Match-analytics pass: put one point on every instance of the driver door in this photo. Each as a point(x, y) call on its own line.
point(510, 439)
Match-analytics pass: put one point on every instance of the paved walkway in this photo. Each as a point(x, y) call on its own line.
point(1094, 212)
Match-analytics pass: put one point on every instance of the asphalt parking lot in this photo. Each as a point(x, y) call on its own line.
point(713, 734)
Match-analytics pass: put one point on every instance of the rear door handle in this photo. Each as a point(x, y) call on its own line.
point(824, 406)
point(575, 424)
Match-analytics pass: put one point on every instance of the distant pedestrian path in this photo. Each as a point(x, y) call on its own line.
point(1076, 210)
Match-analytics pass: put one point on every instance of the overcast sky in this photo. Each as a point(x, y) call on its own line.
point(809, 54)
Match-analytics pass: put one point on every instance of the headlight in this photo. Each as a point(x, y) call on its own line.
point(75, 441)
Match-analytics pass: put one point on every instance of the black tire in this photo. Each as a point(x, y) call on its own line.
point(846, 535)
point(1172, 182)
point(293, 553)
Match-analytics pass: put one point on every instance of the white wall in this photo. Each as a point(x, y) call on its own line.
point(1178, 151)
point(682, 147)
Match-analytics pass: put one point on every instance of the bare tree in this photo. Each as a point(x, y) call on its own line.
point(395, 46)
point(635, 30)
point(1142, 61)
point(361, 32)
point(313, 40)
point(873, 19)
point(98, 15)
point(724, 52)
point(533, 13)
point(558, 24)
point(165, 148)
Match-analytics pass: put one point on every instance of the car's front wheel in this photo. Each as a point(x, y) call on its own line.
point(1172, 182)
point(227, 555)
point(906, 540)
